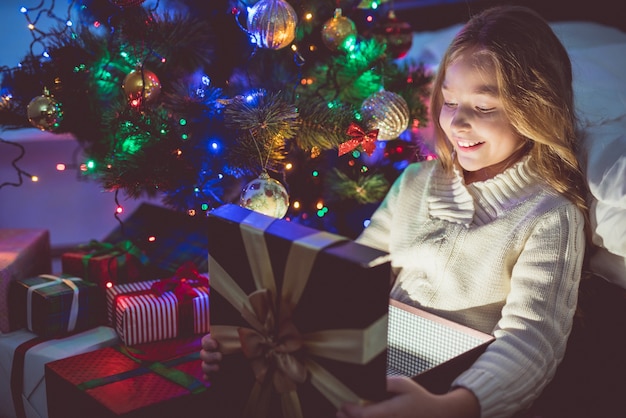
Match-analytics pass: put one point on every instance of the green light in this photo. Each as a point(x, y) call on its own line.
point(374, 5)
point(196, 189)
point(349, 44)
point(331, 105)
point(364, 169)
point(184, 137)
point(356, 153)
point(358, 116)
point(91, 164)
point(315, 173)
point(205, 206)
point(183, 122)
point(320, 213)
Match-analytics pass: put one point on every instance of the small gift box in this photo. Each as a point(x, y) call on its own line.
point(156, 380)
point(105, 263)
point(430, 349)
point(156, 310)
point(23, 253)
point(53, 306)
point(300, 315)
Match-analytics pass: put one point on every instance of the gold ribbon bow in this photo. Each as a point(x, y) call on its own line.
point(273, 343)
point(359, 137)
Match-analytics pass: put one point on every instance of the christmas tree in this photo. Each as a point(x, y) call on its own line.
point(302, 104)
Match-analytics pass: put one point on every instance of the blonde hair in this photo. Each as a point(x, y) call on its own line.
point(534, 76)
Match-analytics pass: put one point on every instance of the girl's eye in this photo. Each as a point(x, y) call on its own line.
point(485, 109)
point(449, 104)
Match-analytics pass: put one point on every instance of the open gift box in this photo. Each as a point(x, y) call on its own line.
point(300, 314)
point(430, 349)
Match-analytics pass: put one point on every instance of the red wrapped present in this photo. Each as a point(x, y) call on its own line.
point(53, 306)
point(157, 380)
point(23, 253)
point(104, 263)
point(156, 310)
point(300, 315)
point(23, 356)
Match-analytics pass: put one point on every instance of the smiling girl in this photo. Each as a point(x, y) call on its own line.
point(492, 233)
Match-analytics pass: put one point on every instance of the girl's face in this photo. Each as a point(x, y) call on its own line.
point(473, 118)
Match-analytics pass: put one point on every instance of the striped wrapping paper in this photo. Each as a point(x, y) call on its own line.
point(139, 316)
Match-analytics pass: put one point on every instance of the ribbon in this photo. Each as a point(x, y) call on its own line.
point(359, 137)
point(71, 323)
point(122, 248)
point(182, 283)
point(279, 355)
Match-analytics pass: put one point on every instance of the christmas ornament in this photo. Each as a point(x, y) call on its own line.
point(140, 85)
point(126, 3)
point(339, 32)
point(386, 111)
point(272, 23)
point(265, 195)
point(44, 112)
point(367, 140)
point(396, 34)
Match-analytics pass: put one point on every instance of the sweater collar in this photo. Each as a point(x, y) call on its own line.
point(480, 202)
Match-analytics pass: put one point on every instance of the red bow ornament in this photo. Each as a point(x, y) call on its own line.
point(359, 137)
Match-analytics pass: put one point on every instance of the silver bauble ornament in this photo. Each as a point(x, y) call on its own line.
point(265, 195)
point(272, 23)
point(386, 111)
point(44, 113)
point(339, 32)
point(141, 85)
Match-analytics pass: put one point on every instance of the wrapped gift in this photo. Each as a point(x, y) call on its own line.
point(23, 253)
point(105, 263)
point(300, 315)
point(161, 309)
point(168, 237)
point(429, 349)
point(156, 380)
point(53, 306)
point(23, 355)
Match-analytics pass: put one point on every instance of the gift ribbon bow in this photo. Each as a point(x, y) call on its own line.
point(182, 283)
point(282, 358)
point(359, 137)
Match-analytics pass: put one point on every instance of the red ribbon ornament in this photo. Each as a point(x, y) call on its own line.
point(359, 137)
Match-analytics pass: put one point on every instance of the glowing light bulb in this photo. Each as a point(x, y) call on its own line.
point(151, 238)
point(109, 285)
point(61, 167)
point(119, 209)
point(34, 179)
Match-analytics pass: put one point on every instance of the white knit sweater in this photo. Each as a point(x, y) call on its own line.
point(503, 256)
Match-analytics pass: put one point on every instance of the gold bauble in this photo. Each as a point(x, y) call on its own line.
point(339, 32)
point(44, 113)
point(272, 23)
point(141, 85)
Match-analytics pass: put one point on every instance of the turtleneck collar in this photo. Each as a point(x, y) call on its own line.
point(481, 201)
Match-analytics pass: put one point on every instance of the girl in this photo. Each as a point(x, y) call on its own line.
point(492, 234)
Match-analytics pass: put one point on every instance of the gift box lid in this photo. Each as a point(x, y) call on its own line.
point(328, 287)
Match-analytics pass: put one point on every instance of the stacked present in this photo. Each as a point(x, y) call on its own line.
point(157, 295)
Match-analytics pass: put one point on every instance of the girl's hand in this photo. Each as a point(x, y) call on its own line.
point(210, 356)
point(411, 400)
